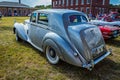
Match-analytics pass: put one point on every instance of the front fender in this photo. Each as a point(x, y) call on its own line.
point(64, 48)
point(20, 31)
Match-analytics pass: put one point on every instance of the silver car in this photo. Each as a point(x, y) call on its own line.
point(63, 34)
point(102, 22)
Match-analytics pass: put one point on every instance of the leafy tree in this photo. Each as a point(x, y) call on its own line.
point(115, 6)
point(49, 6)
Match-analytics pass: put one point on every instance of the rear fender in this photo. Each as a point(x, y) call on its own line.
point(65, 51)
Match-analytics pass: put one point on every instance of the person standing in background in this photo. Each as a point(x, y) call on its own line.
point(90, 16)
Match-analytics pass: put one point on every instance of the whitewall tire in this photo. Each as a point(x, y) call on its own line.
point(51, 55)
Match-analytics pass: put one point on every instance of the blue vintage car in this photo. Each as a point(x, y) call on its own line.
point(63, 34)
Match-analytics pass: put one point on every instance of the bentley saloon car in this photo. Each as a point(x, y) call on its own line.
point(63, 34)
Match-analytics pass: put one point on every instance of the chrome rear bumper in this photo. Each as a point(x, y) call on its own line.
point(93, 62)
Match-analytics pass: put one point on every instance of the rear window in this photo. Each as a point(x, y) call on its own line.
point(77, 19)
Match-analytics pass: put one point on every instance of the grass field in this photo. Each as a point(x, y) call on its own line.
point(20, 61)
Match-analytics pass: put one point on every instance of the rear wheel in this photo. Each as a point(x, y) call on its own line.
point(51, 55)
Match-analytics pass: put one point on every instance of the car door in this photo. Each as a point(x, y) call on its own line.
point(32, 27)
point(39, 29)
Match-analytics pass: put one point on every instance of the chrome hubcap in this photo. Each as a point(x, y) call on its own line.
point(52, 53)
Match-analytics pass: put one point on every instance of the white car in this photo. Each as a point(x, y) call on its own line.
point(101, 22)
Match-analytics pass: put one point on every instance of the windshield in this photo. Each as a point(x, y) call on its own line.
point(77, 19)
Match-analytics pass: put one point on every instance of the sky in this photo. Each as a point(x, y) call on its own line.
point(33, 3)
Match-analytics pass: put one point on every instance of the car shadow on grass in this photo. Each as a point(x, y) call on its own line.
point(113, 42)
point(26, 44)
point(105, 70)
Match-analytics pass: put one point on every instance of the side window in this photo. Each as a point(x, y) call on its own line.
point(42, 18)
point(33, 17)
point(84, 19)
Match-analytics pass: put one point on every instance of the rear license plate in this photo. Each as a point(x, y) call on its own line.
point(100, 49)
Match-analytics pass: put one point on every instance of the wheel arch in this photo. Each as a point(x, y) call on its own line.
point(52, 43)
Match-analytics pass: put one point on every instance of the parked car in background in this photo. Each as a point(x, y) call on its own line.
point(29, 15)
point(109, 31)
point(64, 34)
point(102, 22)
point(113, 16)
point(112, 19)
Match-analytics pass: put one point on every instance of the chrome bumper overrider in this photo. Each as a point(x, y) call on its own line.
point(93, 62)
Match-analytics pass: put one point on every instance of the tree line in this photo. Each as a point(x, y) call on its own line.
point(43, 7)
point(115, 6)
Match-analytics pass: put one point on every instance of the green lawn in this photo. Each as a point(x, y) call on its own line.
point(20, 61)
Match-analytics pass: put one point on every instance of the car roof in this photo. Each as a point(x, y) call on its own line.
point(58, 11)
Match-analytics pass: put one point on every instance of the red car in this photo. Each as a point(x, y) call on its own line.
point(109, 31)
